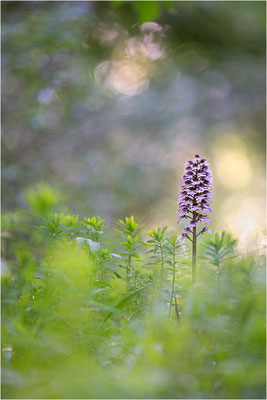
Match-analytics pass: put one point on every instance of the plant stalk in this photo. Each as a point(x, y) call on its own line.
point(194, 250)
point(162, 264)
point(173, 276)
point(173, 282)
point(128, 269)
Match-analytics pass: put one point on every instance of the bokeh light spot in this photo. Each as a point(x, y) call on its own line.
point(245, 217)
point(129, 78)
point(232, 163)
point(233, 169)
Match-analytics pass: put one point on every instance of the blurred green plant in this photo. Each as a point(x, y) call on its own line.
point(177, 252)
point(54, 225)
point(220, 249)
point(94, 228)
point(130, 244)
point(71, 326)
point(71, 322)
point(42, 198)
point(71, 226)
point(158, 242)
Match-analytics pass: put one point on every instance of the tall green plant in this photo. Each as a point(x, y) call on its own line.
point(54, 225)
point(177, 251)
point(94, 228)
point(130, 243)
point(158, 242)
point(219, 249)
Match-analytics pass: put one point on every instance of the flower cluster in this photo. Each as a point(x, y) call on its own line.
point(195, 195)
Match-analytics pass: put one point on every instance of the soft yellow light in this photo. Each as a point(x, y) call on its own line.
point(129, 78)
point(125, 76)
point(245, 219)
point(145, 48)
point(229, 140)
point(233, 169)
point(132, 60)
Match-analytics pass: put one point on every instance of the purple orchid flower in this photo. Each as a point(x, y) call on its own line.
point(194, 201)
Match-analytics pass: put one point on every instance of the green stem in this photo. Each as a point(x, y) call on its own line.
point(194, 250)
point(102, 271)
point(176, 309)
point(128, 268)
point(173, 282)
point(219, 272)
point(173, 275)
point(162, 264)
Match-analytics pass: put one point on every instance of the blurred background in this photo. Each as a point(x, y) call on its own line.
point(106, 101)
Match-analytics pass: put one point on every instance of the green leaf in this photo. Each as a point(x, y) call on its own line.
point(117, 256)
point(118, 275)
point(125, 300)
point(94, 246)
point(169, 263)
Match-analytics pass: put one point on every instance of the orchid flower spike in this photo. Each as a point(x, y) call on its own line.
point(195, 195)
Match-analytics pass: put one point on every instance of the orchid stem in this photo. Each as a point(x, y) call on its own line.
point(194, 251)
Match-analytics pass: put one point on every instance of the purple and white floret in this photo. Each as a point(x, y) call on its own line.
point(195, 195)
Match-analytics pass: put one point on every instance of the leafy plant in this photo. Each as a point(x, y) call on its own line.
point(54, 225)
point(220, 249)
point(42, 198)
point(158, 242)
point(104, 256)
point(94, 228)
point(130, 233)
point(177, 251)
point(71, 303)
point(71, 226)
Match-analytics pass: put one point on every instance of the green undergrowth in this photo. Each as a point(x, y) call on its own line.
point(90, 311)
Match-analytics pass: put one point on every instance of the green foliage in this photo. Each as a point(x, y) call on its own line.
point(130, 232)
point(54, 225)
point(158, 242)
point(158, 236)
point(93, 246)
point(129, 227)
point(88, 315)
point(147, 10)
point(72, 326)
point(94, 228)
point(220, 249)
point(125, 300)
point(175, 246)
point(177, 252)
point(42, 198)
point(71, 226)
